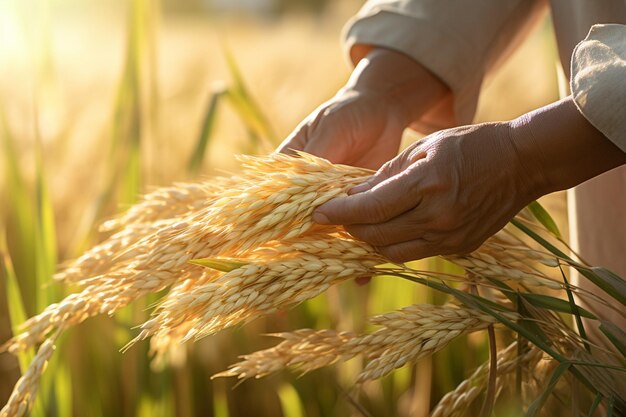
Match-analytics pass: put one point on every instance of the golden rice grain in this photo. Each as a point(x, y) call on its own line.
point(25, 389)
point(457, 402)
point(405, 336)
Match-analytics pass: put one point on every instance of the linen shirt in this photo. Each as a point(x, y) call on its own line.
point(464, 41)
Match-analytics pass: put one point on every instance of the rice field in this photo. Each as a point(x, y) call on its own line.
point(101, 104)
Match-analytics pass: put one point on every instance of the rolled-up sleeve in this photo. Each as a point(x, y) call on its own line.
point(598, 81)
point(459, 41)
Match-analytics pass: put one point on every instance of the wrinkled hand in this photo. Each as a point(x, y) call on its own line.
point(359, 128)
point(444, 195)
point(362, 124)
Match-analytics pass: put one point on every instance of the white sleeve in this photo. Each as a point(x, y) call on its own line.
point(460, 41)
point(598, 81)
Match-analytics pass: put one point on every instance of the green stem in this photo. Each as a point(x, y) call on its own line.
point(490, 398)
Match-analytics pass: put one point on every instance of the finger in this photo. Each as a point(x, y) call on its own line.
point(402, 228)
point(381, 175)
point(388, 170)
point(409, 251)
point(296, 141)
point(362, 280)
point(386, 200)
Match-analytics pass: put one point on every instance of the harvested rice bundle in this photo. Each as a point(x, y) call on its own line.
point(264, 252)
point(273, 199)
point(260, 287)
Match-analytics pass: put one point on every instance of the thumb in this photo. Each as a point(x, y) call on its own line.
point(388, 170)
point(386, 200)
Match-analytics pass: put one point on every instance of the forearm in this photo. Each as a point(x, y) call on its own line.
point(559, 148)
point(398, 78)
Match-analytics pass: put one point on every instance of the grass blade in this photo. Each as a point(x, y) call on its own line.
point(542, 215)
point(208, 124)
point(610, 407)
point(612, 279)
point(15, 303)
point(616, 335)
point(20, 218)
point(556, 304)
point(223, 265)
point(290, 401)
point(595, 404)
point(540, 401)
point(248, 109)
point(45, 238)
point(601, 277)
point(576, 311)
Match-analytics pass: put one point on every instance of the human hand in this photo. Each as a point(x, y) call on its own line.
point(444, 195)
point(362, 124)
point(358, 128)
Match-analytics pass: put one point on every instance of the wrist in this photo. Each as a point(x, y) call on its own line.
point(399, 80)
point(558, 148)
point(527, 159)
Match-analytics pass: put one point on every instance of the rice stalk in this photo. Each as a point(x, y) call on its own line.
point(25, 390)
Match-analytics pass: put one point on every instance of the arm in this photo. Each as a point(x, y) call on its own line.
point(418, 63)
point(457, 187)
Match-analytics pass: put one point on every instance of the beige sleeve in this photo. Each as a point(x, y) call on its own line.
point(460, 41)
point(598, 80)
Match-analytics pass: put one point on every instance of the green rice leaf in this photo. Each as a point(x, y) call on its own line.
point(20, 217)
point(290, 401)
point(556, 304)
point(612, 280)
point(616, 335)
point(601, 277)
point(224, 265)
point(540, 401)
point(45, 238)
point(595, 404)
point(610, 406)
point(17, 311)
point(542, 215)
point(208, 124)
point(250, 112)
point(576, 310)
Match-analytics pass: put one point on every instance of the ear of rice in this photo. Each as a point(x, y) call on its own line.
point(405, 336)
point(259, 207)
point(508, 259)
point(25, 390)
point(259, 287)
point(458, 401)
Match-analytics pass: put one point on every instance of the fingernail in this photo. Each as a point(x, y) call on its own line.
point(362, 280)
point(320, 218)
point(360, 188)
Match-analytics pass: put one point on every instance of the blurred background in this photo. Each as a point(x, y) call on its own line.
point(103, 100)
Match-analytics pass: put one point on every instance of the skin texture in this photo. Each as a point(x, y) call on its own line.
point(449, 192)
point(362, 124)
